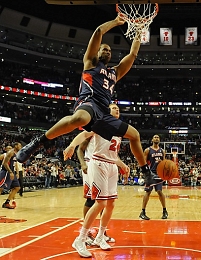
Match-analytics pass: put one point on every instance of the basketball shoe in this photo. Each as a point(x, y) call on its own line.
point(7, 206)
point(144, 216)
point(109, 239)
point(26, 151)
point(90, 239)
point(165, 214)
point(14, 204)
point(80, 247)
point(100, 241)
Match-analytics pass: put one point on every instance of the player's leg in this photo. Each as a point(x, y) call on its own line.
point(79, 242)
point(161, 196)
point(136, 148)
point(66, 125)
point(88, 204)
point(144, 203)
point(98, 206)
point(5, 183)
point(110, 173)
point(101, 238)
point(15, 187)
point(11, 197)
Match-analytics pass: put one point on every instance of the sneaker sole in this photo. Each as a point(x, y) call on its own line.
point(105, 249)
point(73, 245)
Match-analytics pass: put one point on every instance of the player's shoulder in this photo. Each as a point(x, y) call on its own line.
point(147, 150)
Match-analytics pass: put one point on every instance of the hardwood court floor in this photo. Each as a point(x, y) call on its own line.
point(45, 223)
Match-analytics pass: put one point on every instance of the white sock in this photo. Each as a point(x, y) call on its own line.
point(83, 234)
point(101, 231)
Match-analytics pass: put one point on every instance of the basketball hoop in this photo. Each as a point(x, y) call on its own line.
point(138, 17)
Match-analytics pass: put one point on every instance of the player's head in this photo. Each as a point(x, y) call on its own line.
point(104, 53)
point(8, 148)
point(156, 139)
point(17, 146)
point(114, 110)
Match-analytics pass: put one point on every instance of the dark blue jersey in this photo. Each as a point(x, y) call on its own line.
point(98, 83)
point(11, 163)
point(154, 156)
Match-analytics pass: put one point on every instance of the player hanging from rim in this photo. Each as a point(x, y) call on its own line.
point(92, 108)
point(153, 155)
point(102, 183)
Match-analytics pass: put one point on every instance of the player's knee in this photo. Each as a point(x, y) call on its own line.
point(159, 193)
point(110, 204)
point(101, 203)
point(80, 118)
point(89, 203)
point(132, 133)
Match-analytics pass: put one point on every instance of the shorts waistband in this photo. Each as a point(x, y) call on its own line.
point(102, 159)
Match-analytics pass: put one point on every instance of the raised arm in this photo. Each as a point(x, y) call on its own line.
point(126, 63)
point(95, 41)
point(69, 151)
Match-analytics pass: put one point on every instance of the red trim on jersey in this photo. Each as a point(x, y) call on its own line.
point(87, 77)
point(3, 180)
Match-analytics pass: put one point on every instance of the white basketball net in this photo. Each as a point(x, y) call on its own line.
point(138, 17)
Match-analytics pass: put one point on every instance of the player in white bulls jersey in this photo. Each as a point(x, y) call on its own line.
point(103, 177)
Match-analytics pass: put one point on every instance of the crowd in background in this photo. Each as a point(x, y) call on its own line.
point(152, 88)
point(46, 168)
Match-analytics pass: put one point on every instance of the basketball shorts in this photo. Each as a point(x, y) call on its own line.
point(102, 122)
point(156, 187)
point(103, 177)
point(86, 185)
point(6, 182)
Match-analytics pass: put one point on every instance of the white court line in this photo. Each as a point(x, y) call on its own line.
point(41, 237)
point(113, 247)
point(135, 232)
point(27, 227)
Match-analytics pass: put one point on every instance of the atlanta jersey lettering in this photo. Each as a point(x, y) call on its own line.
point(154, 156)
point(99, 83)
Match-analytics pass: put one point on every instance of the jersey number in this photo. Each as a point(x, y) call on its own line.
point(106, 86)
point(114, 146)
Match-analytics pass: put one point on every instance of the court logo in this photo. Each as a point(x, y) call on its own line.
point(175, 181)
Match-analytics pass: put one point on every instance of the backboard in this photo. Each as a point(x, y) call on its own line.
point(101, 2)
point(171, 147)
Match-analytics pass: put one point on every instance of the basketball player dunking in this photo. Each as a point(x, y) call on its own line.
point(96, 90)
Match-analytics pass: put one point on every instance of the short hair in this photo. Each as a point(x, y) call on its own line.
point(16, 143)
point(8, 147)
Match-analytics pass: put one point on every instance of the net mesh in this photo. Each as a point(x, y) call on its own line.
point(138, 17)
